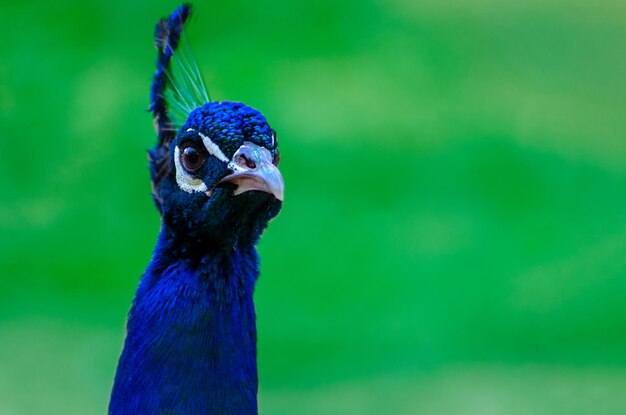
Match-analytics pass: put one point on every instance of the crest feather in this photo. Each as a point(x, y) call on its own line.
point(177, 89)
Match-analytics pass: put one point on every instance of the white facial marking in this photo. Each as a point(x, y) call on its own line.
point(235, 167)
point(212, 148)
point(185, 181)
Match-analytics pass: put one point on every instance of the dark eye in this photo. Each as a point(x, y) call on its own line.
point(192, 159)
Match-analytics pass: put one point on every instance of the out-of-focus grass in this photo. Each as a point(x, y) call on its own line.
point(463, 390)
point(453, 236)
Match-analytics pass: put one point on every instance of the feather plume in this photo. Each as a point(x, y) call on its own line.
point(177, 89)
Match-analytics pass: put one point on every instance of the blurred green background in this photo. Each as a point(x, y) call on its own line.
point(453, 239)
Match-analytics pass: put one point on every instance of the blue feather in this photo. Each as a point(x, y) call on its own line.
point(191, 333)
point(191, 342)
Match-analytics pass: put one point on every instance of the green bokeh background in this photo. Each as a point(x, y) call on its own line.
point(453, 239)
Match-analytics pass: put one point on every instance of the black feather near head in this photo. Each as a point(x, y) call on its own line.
point(167, 35)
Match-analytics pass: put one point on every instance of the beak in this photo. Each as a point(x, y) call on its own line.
point(253, 170)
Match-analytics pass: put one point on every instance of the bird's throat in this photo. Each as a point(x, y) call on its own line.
point(191, 336)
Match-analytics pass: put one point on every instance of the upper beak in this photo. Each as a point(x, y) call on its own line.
point(264, 176)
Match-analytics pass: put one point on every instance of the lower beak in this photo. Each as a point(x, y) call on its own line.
point(265, 177)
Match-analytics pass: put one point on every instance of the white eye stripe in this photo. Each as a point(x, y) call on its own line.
point(185, 181)
point(211, 147)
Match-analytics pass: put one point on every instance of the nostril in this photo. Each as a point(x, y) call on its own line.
point(242, 160)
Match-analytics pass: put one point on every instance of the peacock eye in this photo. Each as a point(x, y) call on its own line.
point(192, 159)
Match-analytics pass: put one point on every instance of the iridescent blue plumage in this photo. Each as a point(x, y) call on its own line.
point(191, 342)
point(191, 334)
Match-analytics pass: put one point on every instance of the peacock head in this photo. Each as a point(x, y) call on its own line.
point(221, 182)
point(213, 169)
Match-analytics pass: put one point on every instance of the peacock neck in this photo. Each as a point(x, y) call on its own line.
point(191, 334)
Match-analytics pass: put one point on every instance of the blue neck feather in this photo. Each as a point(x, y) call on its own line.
point(191, 335)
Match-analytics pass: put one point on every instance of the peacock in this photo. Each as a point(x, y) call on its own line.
point(190, 345)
